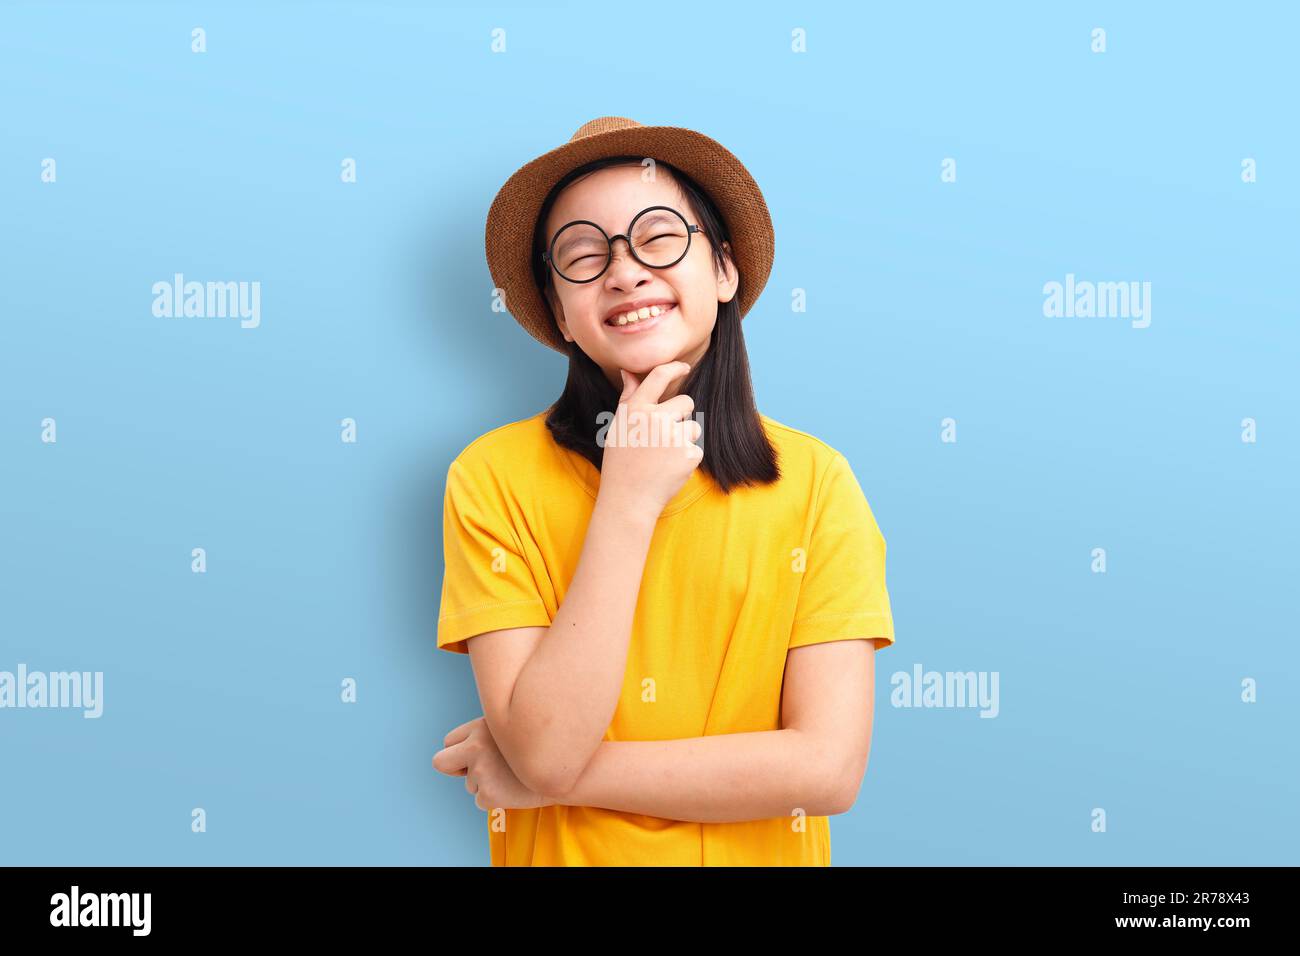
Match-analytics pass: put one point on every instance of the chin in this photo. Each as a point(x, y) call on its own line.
point(641, 358)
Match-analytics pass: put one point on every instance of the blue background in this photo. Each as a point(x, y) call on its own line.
point(1118, 690)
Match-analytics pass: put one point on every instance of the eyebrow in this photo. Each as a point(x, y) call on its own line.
point(657, 216)
point(650, 218)
point(573, 240)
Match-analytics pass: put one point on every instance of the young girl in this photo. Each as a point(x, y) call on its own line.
point(670, 601)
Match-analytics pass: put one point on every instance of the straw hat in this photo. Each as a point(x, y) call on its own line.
point(512, 219)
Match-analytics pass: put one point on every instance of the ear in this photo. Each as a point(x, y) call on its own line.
point(557, 310)
point(729, 279)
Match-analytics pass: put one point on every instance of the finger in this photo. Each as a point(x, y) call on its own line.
point(679, 407)
point(630, 383)
point(451, 760)
point(658, 379)
point(457, 734)
point(690, 449)
point(690, 431)
point(445, 764)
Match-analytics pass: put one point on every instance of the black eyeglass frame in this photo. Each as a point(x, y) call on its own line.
point(549, 255)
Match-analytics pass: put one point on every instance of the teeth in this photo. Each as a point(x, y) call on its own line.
point(637, 315)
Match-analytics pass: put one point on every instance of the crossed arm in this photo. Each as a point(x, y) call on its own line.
point(815, 762)
point(549, 694)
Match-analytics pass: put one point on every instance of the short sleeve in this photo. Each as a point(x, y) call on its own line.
point(842, 592)
point(487, 583)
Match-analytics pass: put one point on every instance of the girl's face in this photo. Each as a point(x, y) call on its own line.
point(610, 197)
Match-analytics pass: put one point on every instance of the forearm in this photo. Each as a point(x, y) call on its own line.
point(720, 778)
point(566, 694)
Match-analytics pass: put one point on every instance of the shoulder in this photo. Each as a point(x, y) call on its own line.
point(503, 439)
point(801, 451)
point(521, 449)
point(815, 471)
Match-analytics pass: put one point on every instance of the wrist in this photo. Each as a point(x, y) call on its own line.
point(629, 512)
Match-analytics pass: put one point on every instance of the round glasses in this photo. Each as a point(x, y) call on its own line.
point(658, 237)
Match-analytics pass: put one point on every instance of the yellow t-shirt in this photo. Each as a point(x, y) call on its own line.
point(731, 583)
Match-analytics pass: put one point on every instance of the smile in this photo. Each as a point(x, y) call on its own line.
point(642, 325)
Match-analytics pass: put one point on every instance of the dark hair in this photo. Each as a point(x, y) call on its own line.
point(736, 447)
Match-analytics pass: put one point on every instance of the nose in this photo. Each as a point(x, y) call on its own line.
point(624, 270)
